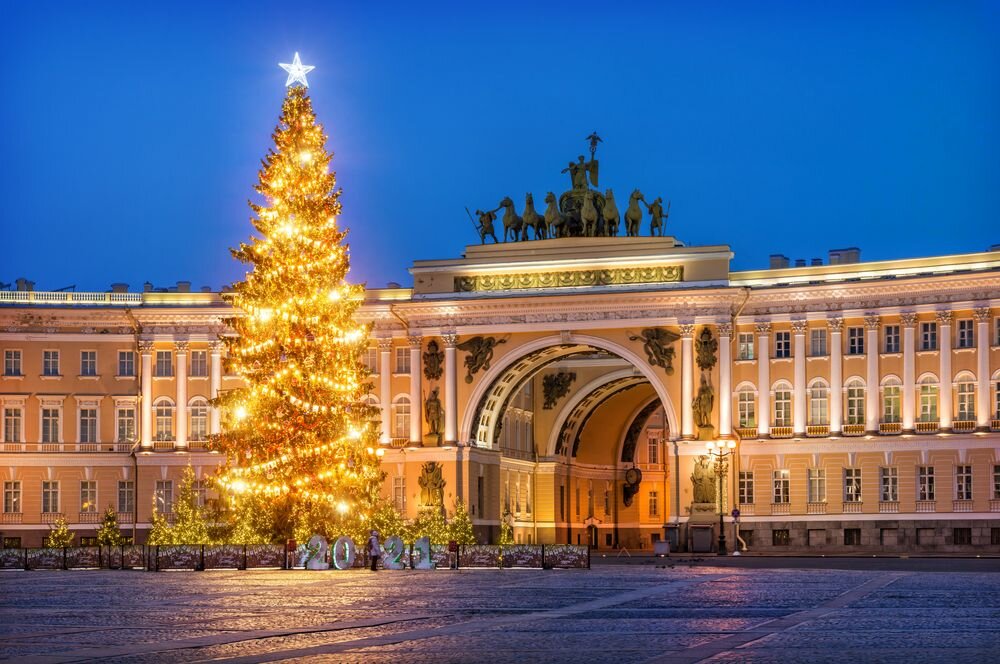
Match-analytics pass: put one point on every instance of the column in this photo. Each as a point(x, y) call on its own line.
point(215, 384)
point(909, 321)
point(725, 381)
point(416, 400)
point(450, 389)
point(763, 379)
point(687, 381)
point(871, 376)
point(983, 409)
point(385, 388)
point(146, 414)
point(181, 376)
point(836, 375)
point(799, 400)
point(946, 408)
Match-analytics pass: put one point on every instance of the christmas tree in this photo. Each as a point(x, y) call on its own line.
point(460, 528)
point(189, 526)
point(160, 532)
point(300, 433)
point(60, 535)
point(109, 533)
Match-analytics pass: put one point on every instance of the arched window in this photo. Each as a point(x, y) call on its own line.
point(198, 429)
point(966, 393)
point(401, 417)
point(782, 405)
point(163, 413)
point(819, 400)
point(928, 399)
point(746, 407)
point(891, 405)
point(855, 401)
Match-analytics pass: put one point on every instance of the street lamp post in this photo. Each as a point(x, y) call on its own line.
point(720, 451)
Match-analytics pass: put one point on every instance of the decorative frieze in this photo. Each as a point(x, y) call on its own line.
point(659, 274)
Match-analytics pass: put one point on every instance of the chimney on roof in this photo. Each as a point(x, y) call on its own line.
point(206, 289)
point(994, 247)
point(147, 287)
point(817, 261)
point(800, 262)
point(183, 286)
point(778, 261)
point(23, 284)
point(845, 256)
point(119, 288)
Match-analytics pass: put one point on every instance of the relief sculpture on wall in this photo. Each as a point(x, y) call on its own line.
point(658, 342)
point(480, 354)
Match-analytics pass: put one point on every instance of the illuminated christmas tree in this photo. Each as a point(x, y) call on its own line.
point(300, 434)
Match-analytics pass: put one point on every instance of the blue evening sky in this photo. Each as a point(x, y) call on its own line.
point(133, 132)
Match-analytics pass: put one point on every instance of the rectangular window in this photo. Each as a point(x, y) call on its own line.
point(783, 344)
point(126, 363)
point(607, 497)
point(88, 362)
point(402, 360)
point(200, 490)
point(653, 450)
point(782, 408)
point(852, 536)
point(13, 425)
point(50, 425)
point(855, 341)
point(819, 405)
point(50, 363)
point(890, 484)
point(746, 487)
point(199, 363)
point(399, 494)
point(780, 537)
point(88, 425)
point(198, 431)
point(88, 496)
point(745, 346)
point(963, 482)
point(928, 336)
point(817, 342)
point(928, 403)
point(966, 334)
point(480, 494)
point(12, 363)
point(562, 502)
point(577, 488)
point(817, 485)
point(746, 409)
point(125, 416)
point(966, 402)
point(892, 338)
point(781, 486)
point(126, 496)
point(855, 402)
point(370, 359)
point(50, 497)
point(164, 496)
point(996, 482)
point(654, 506)
point(164, 363)
point(890, 404)
point(961, 536)
point(925, 483)
point(12, 497)
point(852, 485)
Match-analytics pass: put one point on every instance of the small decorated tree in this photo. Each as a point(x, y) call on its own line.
point(430, 523)
point(109, 533)
point(190, 526)
point(60, 535)
point(252, 522)
point(460, 528)
point(506, 527)
point(160, 533)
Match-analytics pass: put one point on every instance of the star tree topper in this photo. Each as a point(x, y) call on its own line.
point(296, 71)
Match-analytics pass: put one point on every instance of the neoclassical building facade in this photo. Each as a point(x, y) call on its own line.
point(569, 387)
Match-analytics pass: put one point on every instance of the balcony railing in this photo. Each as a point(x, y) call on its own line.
point(746, 509)
point(47, 297)
point(780, 508)
point(163, 445)
point(995, 505)
point(926, 506)
point(927, 427)
point(817, 430)
point(888, 506)
point(88, 447)
point(781, 432)
point(890, 428)
point(995, 425)
point(961, 506)
point(89, 517)
point(51, 517)
point(10, 517)
point(746, 432)
point(963, 426)
point(852, 508)
point(125, 517)
point(854, 429)
point(815, 508)
point(13, 447)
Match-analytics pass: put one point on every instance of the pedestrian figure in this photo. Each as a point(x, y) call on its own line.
point(374, 549)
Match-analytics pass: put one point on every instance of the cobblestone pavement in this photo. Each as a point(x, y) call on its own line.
point(643, 612)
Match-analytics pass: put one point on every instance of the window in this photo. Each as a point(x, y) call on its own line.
point(746, 408)
point(517, 494)
point(88, 496)
point(996, 397)
point(126, 363)
point(480, 495)
point(88, 425)
point(402, 360)
point(401, 417)
point(783, 344)
point(50, 363)
point(399, 494)
point(590, 498)
point(890, 484)
point(966, 335)
point(88, 362)
point(607, 497)
point(654, 507)
point(163, 412)
point(15, 542)
point(925, 483)
point(653, 449)
point(50, 497)
point(780, 537)
point(892, 338)
point(12, 363)
point(855, 341)
point(12, 425)
point(125, 416)
point(963, 482)
point(782, 407)
point(966, 401)
point(818, 404)
point(891, 402)
point(961, 536)
point(855, 402)
point(199, 363)
point(370, 359)
point(12, 497)
point(996, 482)
point(164, 496)
point(852, 536)
point(50, 425)
point(200, 490)
point(126, 496)
point(744, 346)
point(928, 400)
point(562, 502)
point(852, 485)
point(746, 487)
point(577, 490)
point(817, 485)
point(817, 342)
point(928, 336)
point(781, 486)
point(198, 430)
point(164, 363)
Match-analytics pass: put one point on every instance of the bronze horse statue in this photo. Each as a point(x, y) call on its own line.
point(532, 220)
point(511, 222)
point(633, 215)
point(554, 219)
point(611, 215)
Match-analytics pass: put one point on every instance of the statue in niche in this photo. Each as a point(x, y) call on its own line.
point(703, 481)
point(658, 344)
point(433, 361)
point(555, 386)
point(702, 409)
point(705, 348)
point(431, 485)
point(480, 354)
point(434, 414)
